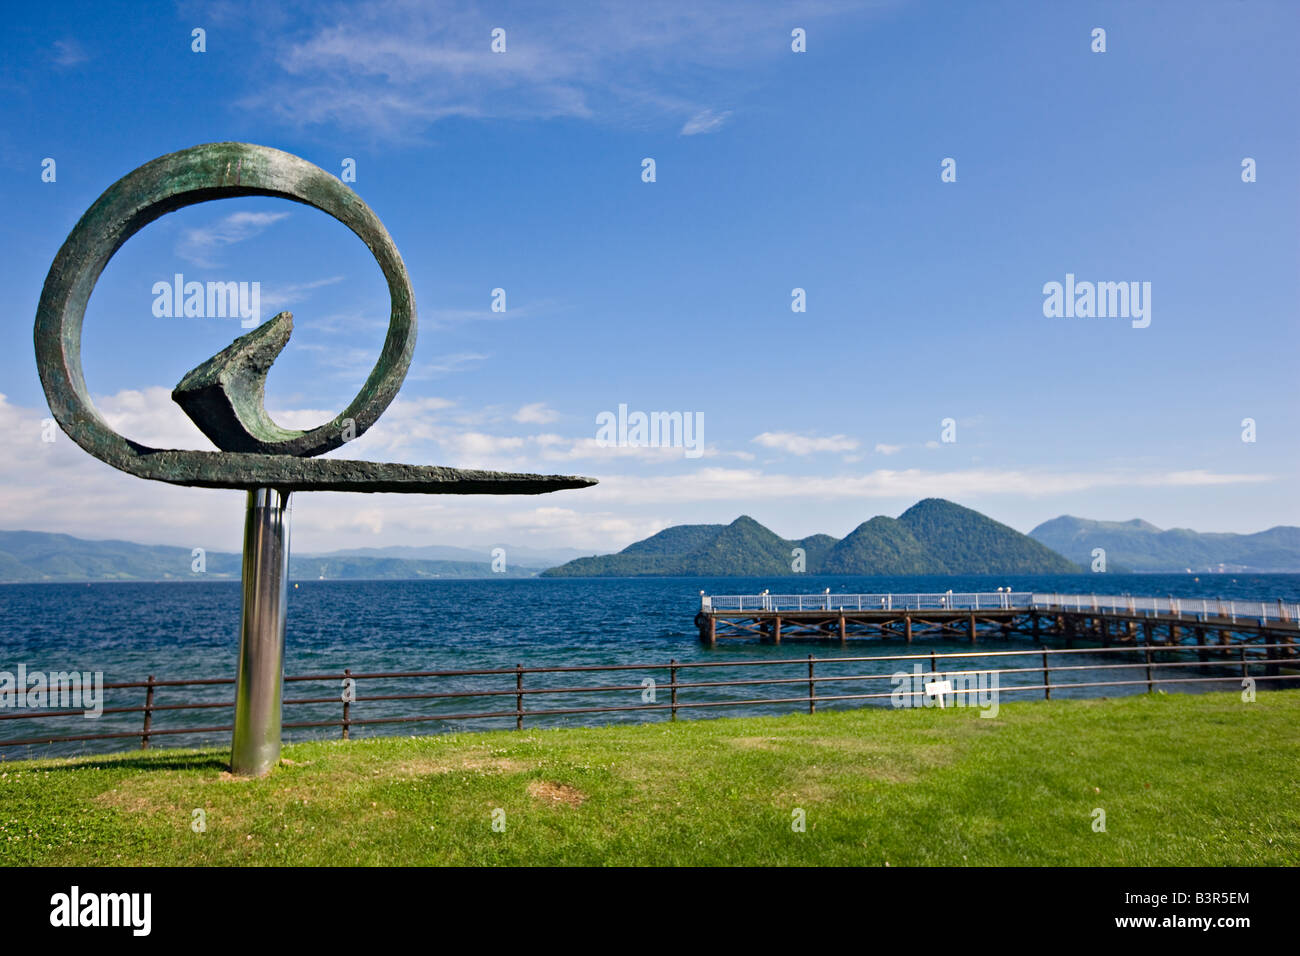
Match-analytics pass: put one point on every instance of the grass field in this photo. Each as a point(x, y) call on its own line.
point(1183, 779)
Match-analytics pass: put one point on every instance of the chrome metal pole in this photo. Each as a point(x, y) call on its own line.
point(255, 748)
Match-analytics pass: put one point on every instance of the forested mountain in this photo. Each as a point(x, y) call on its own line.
point(932, 537)
point(1140, 546)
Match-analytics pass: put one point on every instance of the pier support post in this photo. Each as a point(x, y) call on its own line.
point(972, 628)
point(907, 627)
point(843, 631)
point(708, 626)
point(776, 630)
point(255, 747)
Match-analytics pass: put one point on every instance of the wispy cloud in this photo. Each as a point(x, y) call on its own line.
point(201, 245)
point(68, 53)
point(733, 484)
point(393, 69)
point(58, 487)
point(448, 364)
point(705, 121)
point(276, 298)
point(804, 444)
point(536, 414)
point(528, 310)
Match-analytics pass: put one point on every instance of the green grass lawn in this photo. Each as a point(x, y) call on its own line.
point(1183, 779)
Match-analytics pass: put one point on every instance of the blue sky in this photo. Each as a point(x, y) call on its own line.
point(775, 170)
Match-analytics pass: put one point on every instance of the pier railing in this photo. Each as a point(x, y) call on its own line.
point(514, 694)
point(1205, 608)
point(863, 602)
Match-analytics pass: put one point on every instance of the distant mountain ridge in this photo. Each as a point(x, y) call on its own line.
point(1138, 545)
point(35, 556)
point(934, 536)
point(516, 554)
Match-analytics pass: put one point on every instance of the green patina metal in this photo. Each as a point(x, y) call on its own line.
point(224, 395)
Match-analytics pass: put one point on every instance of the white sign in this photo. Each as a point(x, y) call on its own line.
point(937, 688)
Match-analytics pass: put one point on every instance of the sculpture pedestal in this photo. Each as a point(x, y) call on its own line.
point(256, 746)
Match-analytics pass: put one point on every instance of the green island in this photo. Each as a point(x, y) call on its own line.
point(934, 536)
point(1183, 779)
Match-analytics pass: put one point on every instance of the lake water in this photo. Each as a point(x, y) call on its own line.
point(190, 630)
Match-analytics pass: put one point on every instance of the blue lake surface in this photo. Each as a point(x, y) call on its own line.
point(190, 630)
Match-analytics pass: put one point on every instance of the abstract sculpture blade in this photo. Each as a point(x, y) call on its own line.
point(224, 397)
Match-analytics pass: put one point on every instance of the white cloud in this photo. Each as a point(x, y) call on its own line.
point(393, 69)
point(732, 484)
point(354, 362)
point(447, 317)
point(705, 121)
point(199, 245)
point(440, 365)
point(150, 417)
point(804, 444)
point(69, 52)
point(57, 487)
point(276, 298)
point(536, 414)
point(884, 449)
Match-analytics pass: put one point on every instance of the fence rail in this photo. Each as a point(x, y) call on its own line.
point(1278, 610)
point(1154, 663)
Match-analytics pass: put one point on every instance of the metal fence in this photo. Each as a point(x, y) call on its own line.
point(1278, 610)
point(1049, 670)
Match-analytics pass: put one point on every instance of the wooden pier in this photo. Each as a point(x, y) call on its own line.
point(1211, 625)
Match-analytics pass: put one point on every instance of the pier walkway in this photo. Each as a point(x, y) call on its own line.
point(1103, 619)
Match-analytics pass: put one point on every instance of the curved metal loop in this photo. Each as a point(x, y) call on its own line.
point(259, 453)
point(171, 182)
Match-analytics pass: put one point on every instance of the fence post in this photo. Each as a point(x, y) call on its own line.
point(672, 684)
point(346, 672)
point(1047, 677)
point(148, 715)
point(812, 688)
point(1245, 668)
point(1271, 657)
point(1147, 645)
point(519, 697)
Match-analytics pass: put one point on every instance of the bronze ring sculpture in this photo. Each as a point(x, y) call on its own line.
point(224, 395)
